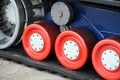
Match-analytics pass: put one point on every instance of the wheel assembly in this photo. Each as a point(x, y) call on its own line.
point(38, 40)
point(62, 14)
point(106, 58)
point(15, 15)
point(73, 47)
point(12, 21)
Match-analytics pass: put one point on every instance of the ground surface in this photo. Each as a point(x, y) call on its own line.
point(10, 70)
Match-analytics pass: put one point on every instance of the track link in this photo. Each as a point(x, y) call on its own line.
point(50, 64)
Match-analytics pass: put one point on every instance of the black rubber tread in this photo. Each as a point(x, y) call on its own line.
point(52, 65)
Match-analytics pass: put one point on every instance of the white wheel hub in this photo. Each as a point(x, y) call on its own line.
point(71, 50)
point(36, 42)
point(110, 60)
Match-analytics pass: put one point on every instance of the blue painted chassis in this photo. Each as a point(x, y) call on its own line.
point(102, 22)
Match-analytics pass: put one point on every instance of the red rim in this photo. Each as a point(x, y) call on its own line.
point(44, 29)
point(73, 35)
point(107, 44)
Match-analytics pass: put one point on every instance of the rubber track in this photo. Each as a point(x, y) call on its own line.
point(51, 65)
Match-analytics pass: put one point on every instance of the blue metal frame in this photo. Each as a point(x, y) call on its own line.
point(102, 22)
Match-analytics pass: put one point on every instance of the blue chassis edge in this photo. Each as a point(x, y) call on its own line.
point(103, 23)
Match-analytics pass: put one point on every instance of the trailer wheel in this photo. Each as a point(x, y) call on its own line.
point(106, 58)
point(38, 40)
point(73, 47)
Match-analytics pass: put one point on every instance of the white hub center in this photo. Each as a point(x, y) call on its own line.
point(110, 60)
point(71, 50)
point(36, 42)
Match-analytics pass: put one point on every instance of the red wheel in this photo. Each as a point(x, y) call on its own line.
point(106, 58)
point(73, 47)
point(38, 40)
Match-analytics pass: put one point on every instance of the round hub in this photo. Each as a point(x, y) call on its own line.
point(71, 50)
point(110, 60)
point(61, 13)
point(36, 42)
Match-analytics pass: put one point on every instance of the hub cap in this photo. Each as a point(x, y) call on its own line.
point(110, 60)
point(36, 42)
point(71, 50)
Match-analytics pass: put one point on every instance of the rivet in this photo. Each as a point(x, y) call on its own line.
point(102, 58)
point(105, 53)
point(115, 54)
point(75, 45)
point(110, 51)
point(66, 54)
point(105, 65)
point(76, 56)
point(66, 44)
point(117, 61)
point(110, 68)
point(77, 50)
point(40, 38)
